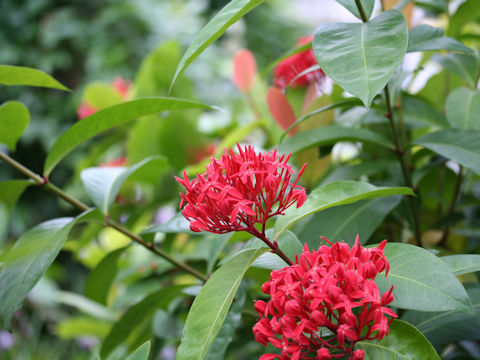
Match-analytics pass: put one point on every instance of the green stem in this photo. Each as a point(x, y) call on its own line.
point(361, 11)
point(273, 246)
point(81, 206)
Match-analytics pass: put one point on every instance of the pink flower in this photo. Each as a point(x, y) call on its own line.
point(85, 110)
point(121, 86)
point(240, 190)
point(288, 69)
point(329, 290)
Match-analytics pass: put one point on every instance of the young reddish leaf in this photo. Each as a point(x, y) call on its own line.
point(244, 70)
point(280, 108)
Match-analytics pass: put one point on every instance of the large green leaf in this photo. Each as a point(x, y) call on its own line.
point(104, 183)
point(19, 75)
point(462, 264)
point(219, 346)
point(215, 28)
point(461, 146)
point(108, 118)
point(29, 258)
point(352, 7)
point(362, 57)
point(425, 37)
point(463, 65)
point(421, 281)
point(463, 108)
point(334, 194)
point(404, 342)
point(136, 315)
point(331, 134)
point(345, 222)
point(14, 119)
point(449, 326)
point(211, 305)
point(100, 279)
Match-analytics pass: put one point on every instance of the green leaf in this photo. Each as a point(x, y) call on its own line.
point(334, 194)
point(463, 65)
point(86, 306)
point(331, 134)
point(108, 118)
point(361, 58)
point(339, 104)
point(100, 279)
point(141, 353)
point(421, 281)
point(419, 112)
point(225, 336)
point(11, 190)
point(136, 315)
point(395, 85)
point(352, 7)
point(461, 146)
point(425, 37)
point(463, 108)
point(462, 264)
point(14, 119)
point(211, 305)
point(104, 183)
point(19, 75)
point(215, 28)
point(403, 342)
point(357, 171)
point(449, 326)
point(467, 11)
point(345, 222)
point(101, 95)
point(79, 326)
point(28, 260)
point(177, 224)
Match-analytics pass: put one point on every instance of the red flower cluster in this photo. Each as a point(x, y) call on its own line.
point(239, 190)
point(287, 70)
point(325, 303)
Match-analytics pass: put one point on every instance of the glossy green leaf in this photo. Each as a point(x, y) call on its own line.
point(404, 342)
point(352, 7)
point(211, 305)
point(463, 108)
point(100, 279)
point(425, 37)
point(104, 183)
point(419, 112)
point(136, 315)
point(19, 75)
point(461, 146)
point(449, 326)
point(334, 194)
point(331, 134)
point(346, 222)
point(463, 65)
point(141, 353)
point(28, 260)
point(339, 104)
point(215, 28)
point(421, 281)
point(462, 264)
point(225, 336)
point(361, 58)
point(108, 118)
point(14, 119)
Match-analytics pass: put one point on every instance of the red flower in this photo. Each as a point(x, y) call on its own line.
point(325, 303)
point(119, 161)
point(239, 190)
point(287, 70)
point(121, 86)
point(85, 110)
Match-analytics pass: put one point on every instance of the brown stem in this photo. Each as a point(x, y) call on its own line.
point(81, 206)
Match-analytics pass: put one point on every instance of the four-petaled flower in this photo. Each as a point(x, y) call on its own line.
point(325, 303)
point(240, 190)
point(286, 73)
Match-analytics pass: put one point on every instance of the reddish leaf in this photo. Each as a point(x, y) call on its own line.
point(244, 70)
point(280, 108)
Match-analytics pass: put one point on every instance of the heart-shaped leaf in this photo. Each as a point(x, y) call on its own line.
point(362, 57)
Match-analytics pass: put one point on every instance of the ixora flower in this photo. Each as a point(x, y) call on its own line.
point(325, 303)
point(287, 71)
point(240, 190)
